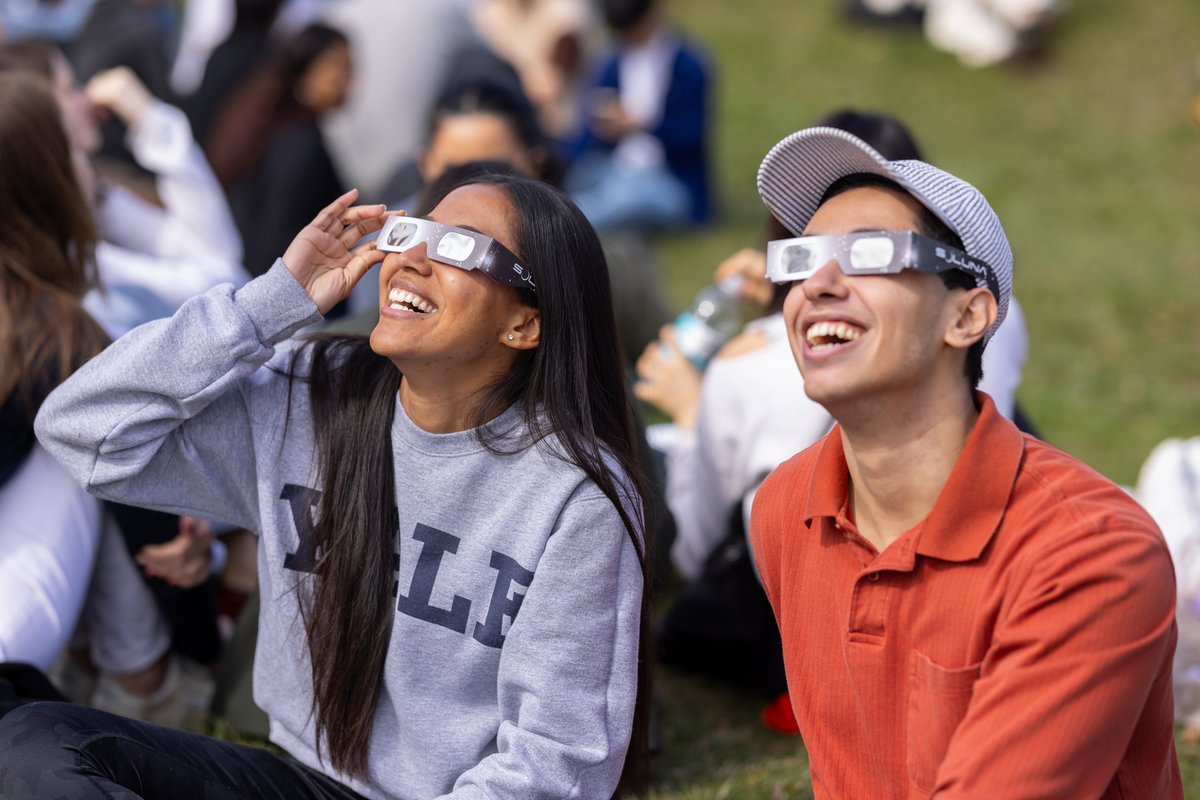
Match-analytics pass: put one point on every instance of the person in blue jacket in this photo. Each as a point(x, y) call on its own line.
point(641, 160)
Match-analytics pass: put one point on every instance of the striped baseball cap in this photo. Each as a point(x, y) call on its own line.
point(796, 173)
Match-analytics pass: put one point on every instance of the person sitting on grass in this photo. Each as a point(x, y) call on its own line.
point(450, 513)
point(965, 611)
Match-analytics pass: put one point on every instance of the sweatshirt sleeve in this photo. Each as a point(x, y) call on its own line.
point(568, 673)
point(160, 418)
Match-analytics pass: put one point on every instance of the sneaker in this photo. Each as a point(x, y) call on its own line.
point(181, 702)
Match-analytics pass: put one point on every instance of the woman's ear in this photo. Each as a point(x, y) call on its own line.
point(975, 311)
point(527, 333)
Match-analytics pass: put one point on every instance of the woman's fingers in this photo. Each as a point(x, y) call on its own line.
point(330, 217)
point(358, 228)
point(363, 258)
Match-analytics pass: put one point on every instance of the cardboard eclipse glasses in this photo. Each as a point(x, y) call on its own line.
point(458, 247)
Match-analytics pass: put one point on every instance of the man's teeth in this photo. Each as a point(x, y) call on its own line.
point(830, 334)
point(407, 301)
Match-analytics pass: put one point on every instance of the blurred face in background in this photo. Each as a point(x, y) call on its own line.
point(76, 108)
point(326, 84)
point(482, 136)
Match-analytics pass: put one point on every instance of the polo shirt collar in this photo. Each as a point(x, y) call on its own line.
point(971, 504)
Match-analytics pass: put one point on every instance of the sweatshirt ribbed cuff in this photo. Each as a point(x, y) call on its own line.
point(277, 304)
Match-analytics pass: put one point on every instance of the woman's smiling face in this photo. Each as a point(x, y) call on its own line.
point(439, 320)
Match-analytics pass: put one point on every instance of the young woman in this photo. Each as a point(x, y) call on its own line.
point(451, 517)
point(53, 537)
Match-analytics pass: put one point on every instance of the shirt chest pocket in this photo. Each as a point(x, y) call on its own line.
point(937, 702)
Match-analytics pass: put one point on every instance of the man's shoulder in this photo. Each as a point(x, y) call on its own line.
point(1051, 478)
point(1058, 502)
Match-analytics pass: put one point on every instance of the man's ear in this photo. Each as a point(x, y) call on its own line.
point(526, 334)
point(974, 312)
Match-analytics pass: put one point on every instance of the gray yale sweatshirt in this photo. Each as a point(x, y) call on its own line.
point(512, 668)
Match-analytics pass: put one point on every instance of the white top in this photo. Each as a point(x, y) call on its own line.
point(1004, 358)
point(174, 251)
point(644, 75)
point(753, 415)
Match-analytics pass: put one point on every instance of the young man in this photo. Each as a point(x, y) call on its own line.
point(966, 612)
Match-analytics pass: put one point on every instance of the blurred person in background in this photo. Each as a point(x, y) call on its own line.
point(138, 35)
point(267, 148)
point(150, 259)
point(236, 55)
point(59, 548)
point(550, 43)
point(641, 160)
point(980, 33)
point(151, 256)
point(379, 130)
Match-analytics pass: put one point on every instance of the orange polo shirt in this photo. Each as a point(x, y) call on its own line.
point(1017, 643)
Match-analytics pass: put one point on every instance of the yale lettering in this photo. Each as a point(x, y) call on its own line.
point(416, 601)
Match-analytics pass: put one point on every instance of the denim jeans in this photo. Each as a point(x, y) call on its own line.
point(63, 750)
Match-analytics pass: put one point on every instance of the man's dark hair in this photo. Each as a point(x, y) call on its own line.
point(622, 15)
point(932, 226)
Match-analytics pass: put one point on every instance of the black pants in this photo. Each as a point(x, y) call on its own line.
point(62, 750)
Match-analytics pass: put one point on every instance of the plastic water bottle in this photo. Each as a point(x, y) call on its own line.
point(715, 316)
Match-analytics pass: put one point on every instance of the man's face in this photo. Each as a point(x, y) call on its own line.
point(867, 337)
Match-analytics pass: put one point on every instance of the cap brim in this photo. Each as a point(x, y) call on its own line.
point(794, 176)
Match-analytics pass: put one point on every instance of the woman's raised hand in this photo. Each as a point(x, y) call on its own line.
point(320, 257)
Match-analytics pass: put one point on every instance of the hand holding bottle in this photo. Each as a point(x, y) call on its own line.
point(715, 316)
point(751, 264)
point(668, 380)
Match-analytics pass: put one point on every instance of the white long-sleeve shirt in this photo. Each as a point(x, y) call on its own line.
point(151, 258)
point(753, 415)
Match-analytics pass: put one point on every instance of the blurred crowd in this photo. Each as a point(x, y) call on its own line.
point(203, 135)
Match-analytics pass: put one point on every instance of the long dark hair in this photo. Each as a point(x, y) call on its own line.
point(265, 104)
point(47, 243)
point(571, 386)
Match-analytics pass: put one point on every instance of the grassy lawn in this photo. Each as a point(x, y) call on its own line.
point(1092, 161)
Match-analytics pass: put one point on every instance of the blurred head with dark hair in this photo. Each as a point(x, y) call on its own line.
point(317, 65)
point(884, 132)
point(47, 243)
point(47, 60)
point(624, 16)
point(305, 76)
point(485, 120)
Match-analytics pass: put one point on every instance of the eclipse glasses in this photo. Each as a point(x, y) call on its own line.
point(458, 247)
point(871, 253)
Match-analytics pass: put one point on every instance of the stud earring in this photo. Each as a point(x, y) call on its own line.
point(510, 337)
